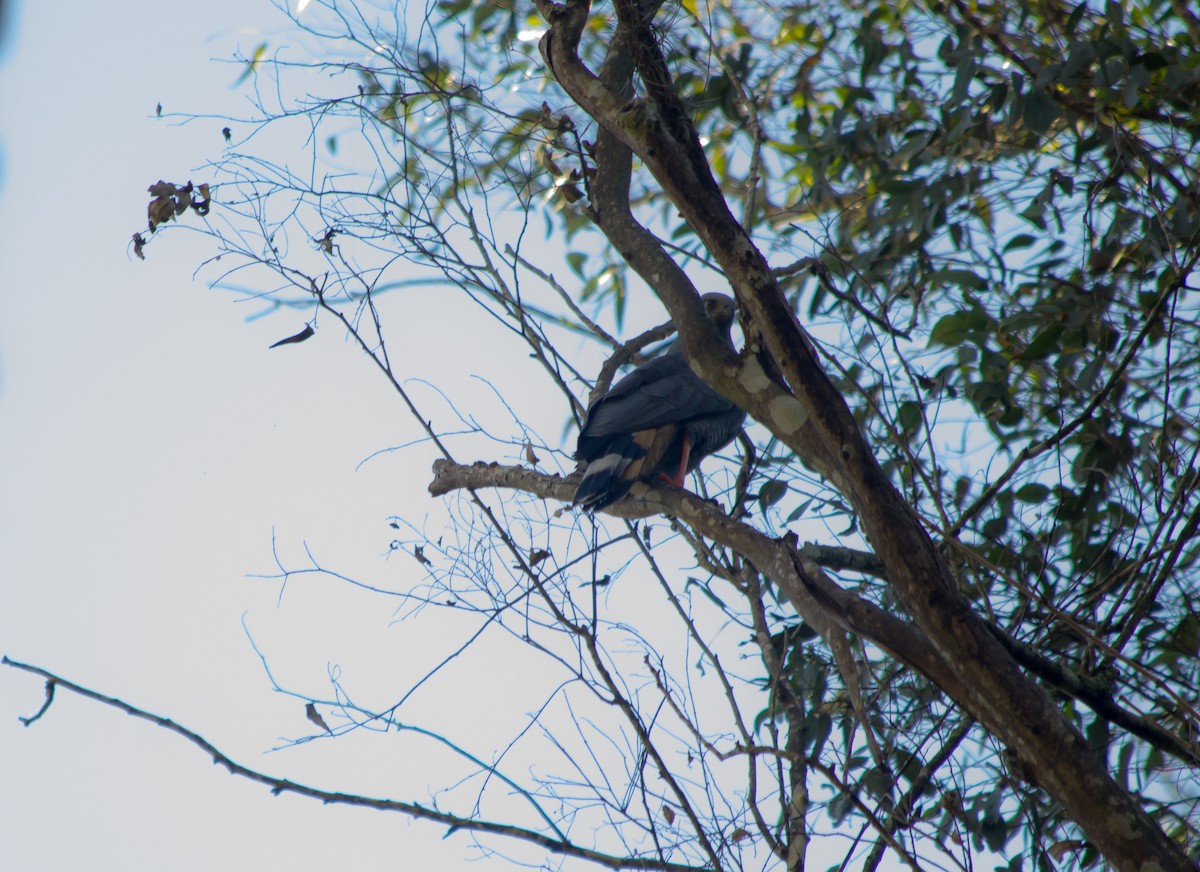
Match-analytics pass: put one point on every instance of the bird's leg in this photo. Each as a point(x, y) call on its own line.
point(684, 451)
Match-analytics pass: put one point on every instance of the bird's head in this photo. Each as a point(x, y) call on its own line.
point(720, 309)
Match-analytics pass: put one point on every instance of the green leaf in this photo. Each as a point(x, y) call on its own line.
point(1044, 342)
point(955, 328)
point(708, 592)
point(252, 65)
point(771, 492)
point(1076, 15)
point(1099, 734)
point(962, 277)
point(839, 807)
point(1040, 112)
point(992, 826)
point(909, 416)
point(1123, 757)
point(1021, 240)
point(994, 528)
point(1115, 13)
point(901, 186)
point(1032, 493)
point(799, 510)
point(816, 732)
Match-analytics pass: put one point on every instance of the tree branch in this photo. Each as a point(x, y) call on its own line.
point(812, 418)
point(413, 810)
point(822, 603)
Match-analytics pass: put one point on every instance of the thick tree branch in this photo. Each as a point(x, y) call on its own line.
point(1096, 694)
point(811, 417)
point(825, 605)
point(610, 207)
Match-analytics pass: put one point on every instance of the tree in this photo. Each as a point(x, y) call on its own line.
point(965, 262)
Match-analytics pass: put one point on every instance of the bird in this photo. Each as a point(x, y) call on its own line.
point(656, 423)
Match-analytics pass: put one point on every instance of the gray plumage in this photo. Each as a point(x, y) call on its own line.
point(658, 422)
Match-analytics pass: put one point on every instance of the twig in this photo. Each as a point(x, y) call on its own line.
point(50, 682)
point(281, 785)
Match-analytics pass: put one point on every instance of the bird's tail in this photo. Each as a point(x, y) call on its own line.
point(609, 477)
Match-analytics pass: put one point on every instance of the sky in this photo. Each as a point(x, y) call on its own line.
point(157, 456)
point(152, 447)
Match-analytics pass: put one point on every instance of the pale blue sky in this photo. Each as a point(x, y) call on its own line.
point(151, 447)
point(150, 444)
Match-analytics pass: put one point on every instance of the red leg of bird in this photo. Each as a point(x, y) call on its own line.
point(684, 451)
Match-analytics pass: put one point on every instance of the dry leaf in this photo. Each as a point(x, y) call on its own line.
point(310, 712)
point(306, 333)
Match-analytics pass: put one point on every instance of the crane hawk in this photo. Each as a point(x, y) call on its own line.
point(658, 422)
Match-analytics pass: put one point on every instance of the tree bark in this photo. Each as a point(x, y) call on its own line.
point(801, 406)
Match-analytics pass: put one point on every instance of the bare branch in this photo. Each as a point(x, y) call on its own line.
point(413, 810)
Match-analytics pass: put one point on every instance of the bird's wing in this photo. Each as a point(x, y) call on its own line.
point(662, 392)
